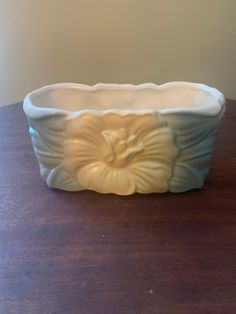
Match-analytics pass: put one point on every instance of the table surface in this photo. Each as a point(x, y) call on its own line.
point(89, 253)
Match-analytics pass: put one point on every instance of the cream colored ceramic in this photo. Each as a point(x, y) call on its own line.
point(123, 138)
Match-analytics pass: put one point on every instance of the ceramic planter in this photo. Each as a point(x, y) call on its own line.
point(123, 138)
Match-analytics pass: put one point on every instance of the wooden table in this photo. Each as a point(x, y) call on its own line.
point(88, 253)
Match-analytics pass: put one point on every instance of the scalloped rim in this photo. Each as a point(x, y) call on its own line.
point(211, 109)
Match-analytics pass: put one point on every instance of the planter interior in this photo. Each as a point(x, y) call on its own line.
point(74, 97)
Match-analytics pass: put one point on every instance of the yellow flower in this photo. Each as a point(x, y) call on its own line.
point(119, 153)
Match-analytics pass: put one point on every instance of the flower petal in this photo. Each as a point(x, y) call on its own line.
point(159, 146)
point(78, 153)
point(142, 125)
point(85, 126)
point(113, 121)
point(150, 177)
point(101, 178)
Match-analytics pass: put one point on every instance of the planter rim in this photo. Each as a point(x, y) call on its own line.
point(213, 108)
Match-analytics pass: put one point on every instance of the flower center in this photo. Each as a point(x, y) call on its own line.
point(120, 147)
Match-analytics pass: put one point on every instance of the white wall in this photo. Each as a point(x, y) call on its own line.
point(123, 41)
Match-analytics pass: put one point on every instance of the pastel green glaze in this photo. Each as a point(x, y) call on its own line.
point(123, 138)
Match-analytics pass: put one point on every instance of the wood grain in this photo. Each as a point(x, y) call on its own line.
point(88, 253)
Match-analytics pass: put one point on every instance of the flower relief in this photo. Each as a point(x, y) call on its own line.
point(121, 154)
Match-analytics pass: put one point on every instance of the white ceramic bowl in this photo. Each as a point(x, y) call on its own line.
point(123, 138)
